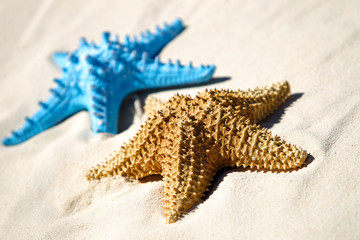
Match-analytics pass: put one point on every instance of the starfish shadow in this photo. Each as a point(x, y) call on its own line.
point(308, 161)
point(274, 118)
point(127, 112)
point(151, 178)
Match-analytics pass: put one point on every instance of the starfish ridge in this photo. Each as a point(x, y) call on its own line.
point(97, 78)
point(190, 139)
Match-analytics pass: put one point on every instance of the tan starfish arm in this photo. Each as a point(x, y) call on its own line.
point(256, 104)
point(128, 165)
point(246, 144)
point(138, 158)
point(267, 100)
point(187, 170)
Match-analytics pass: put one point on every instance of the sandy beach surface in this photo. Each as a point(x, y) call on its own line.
point(314, 44)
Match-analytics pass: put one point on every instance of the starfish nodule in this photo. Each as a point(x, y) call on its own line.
point(189, 139)
point(97, 78)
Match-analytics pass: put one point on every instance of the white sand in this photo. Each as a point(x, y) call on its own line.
point(313, 44)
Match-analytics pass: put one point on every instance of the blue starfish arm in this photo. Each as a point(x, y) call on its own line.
point(60, 59)
point(160, 75)
point(54, 110)
point(104, 113)
point(153, 43)
point(105, 102)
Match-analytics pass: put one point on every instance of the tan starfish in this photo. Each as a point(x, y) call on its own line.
point(190, 139)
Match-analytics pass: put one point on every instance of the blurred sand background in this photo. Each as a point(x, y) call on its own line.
point(314, 44)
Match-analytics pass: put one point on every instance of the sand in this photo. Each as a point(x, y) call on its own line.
point(314, 45)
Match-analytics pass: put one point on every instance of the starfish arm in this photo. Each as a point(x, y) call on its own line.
point(57, 108)
point(60, 59)
point(255, 104)
point(265, 101)
point(104, 113)
point(246, 144)
point(159, 75)
point(126, 162)
point(140, 157)
point(188, 167)
point(261, 102)
point(153, 43)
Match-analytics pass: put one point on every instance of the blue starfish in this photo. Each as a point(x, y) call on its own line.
point(97, 78)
